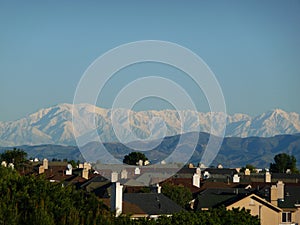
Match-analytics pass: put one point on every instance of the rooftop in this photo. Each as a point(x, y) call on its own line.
point(153, 203)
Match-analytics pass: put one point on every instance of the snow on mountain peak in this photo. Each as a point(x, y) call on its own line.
point(53, 125)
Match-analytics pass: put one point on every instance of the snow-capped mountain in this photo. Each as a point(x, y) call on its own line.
point(54, 125)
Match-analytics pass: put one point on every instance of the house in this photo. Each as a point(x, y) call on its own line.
point(274, 203)
point(266, 212)
point(216, 197)
point(287, 197)
point(268, 177)
point(291, 205)
point(240, 198)
point(151, 204)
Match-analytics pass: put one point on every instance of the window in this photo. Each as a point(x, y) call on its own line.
point(286, 217)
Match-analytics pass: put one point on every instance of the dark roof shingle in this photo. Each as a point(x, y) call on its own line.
point(153, 203)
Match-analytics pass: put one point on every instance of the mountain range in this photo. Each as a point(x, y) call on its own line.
point(53, 125)
point(234, 152)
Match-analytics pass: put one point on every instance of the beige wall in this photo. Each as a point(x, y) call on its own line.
point(267, 215)
point(295, 215)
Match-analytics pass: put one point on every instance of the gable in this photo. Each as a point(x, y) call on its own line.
point(258, 200)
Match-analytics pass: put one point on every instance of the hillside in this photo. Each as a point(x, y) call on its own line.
point(235, 151)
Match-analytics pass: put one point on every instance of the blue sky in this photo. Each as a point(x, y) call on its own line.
point(252, 47)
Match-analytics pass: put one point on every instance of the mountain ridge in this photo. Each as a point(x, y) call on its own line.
point(53, 125)
point(234, 152)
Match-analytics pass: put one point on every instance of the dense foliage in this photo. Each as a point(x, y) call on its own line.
point(219, 216)
point(178, 193)
point(283, 162)
point(134, 157)
point(34, 200)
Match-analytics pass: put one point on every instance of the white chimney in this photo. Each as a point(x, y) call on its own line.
point(201, 165)
point(137, 171)
point(41, 169)
point(116, 198)
point(124, 174)
point(198, 171)
point(206, 175)
point(247, 172)
point(45, 164)
point(236, 178)
point(268, 177)
point(158, 188)
point(114, 177)
point(69, 169)
point(140, 163)
point(87, 166)
point(85, 173)
point(196, 180)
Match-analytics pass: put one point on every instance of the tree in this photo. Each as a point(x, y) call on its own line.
point(15, 156)
point(283, 162)
point(134, 157)
point(35, 200)
point(219, 216)
point(179, 194)
point(250, 167)
point(73, 163)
